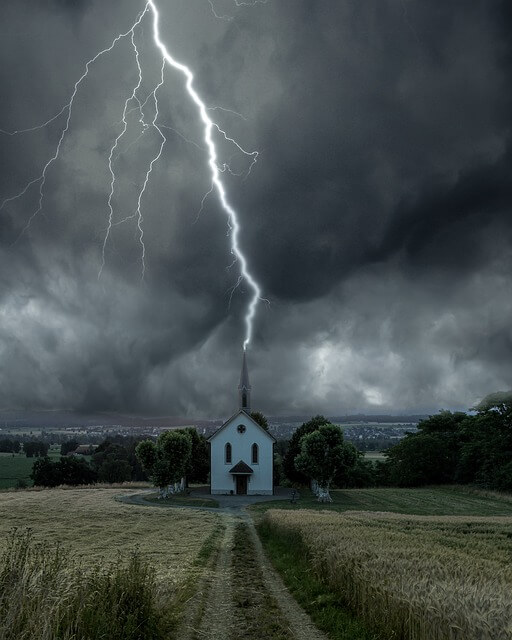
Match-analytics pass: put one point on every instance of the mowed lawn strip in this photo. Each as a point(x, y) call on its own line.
point(93, 526)
point(422, 501)
point(422, 577)
point(256, 612)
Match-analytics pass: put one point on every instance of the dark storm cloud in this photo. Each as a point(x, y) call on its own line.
point(446, 224)
point(377, 214)
point(405, 115)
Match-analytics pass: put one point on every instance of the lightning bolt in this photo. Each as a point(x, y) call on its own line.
point(215, 174)
point(210, 130)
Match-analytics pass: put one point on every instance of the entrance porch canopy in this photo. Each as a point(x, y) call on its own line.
point(241, 469)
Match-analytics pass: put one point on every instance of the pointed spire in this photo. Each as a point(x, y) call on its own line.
point(244, 375)
point(244, 387)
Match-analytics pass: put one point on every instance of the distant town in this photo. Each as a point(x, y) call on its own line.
point(367, 432)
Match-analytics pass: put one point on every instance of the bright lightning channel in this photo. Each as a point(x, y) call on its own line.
point(215, 173)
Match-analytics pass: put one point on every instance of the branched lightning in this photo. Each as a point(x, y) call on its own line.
point(134, 103)
point(238, 4)
point(132, 96)
point(37, 126)
point(204, 199)
point(163, 140)
point(69, 108)
point(232, 111)
point(180, 135)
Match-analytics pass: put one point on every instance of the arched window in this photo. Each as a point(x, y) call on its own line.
point(255, 453)
point(227, 453)
point(244, 400)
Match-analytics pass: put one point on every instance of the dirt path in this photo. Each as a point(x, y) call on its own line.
point(300, 624)
point(217, 620)
point(243, 596)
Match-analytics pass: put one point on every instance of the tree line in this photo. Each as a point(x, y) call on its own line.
point(114, 461)
point(449, 447)
point(457, 447)
point(7, 445)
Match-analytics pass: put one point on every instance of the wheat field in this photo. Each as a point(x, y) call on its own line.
point(93, 526)
point(414, 577)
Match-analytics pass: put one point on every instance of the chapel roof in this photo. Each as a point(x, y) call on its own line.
point(233, 417)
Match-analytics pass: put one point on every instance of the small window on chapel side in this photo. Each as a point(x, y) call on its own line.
point(228, 453)
point(255, 453)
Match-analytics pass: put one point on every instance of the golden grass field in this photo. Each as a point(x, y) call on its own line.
point(93, 525)
point(419, 577)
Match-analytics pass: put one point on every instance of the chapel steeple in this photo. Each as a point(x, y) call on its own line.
point(244, 388)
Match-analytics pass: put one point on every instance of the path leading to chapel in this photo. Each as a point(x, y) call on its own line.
point(245, 597)
point(241, 596)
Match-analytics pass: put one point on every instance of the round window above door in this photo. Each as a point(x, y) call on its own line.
point(241, 428)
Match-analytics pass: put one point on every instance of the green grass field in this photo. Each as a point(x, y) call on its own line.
point(375, 456)
point(432, 501)
point(19, 467)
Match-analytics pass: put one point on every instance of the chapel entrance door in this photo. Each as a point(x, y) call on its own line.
point(241, 485)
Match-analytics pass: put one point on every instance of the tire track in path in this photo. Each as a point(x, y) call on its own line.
point(299, 622)
point(217, 620)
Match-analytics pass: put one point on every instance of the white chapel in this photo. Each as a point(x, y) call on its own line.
point(241, 451)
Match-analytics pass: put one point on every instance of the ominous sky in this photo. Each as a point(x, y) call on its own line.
point(377, 220)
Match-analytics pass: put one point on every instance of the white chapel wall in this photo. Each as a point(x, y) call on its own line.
point(260, 482)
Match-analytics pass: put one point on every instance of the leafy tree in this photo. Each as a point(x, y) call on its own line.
point(45, 473)
point(323, 455)
point(138, 472)
point(162, 476)
point(361, 474)
point(176, 449)
point(199, 460)
point(278, 472)
point(444, 422)
point(146, 452)
point(67, 470)
point(68, 446)
point(114, 469)
point(10, 446)
point(429, 456)
point(486, 444)
point(167, 460)
point(258, 417)
point(109, 451)
point(281, 447)
point(112, 462)
point(75, 471)
point(35, 448)
point(291, 472)
point(420, 459)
